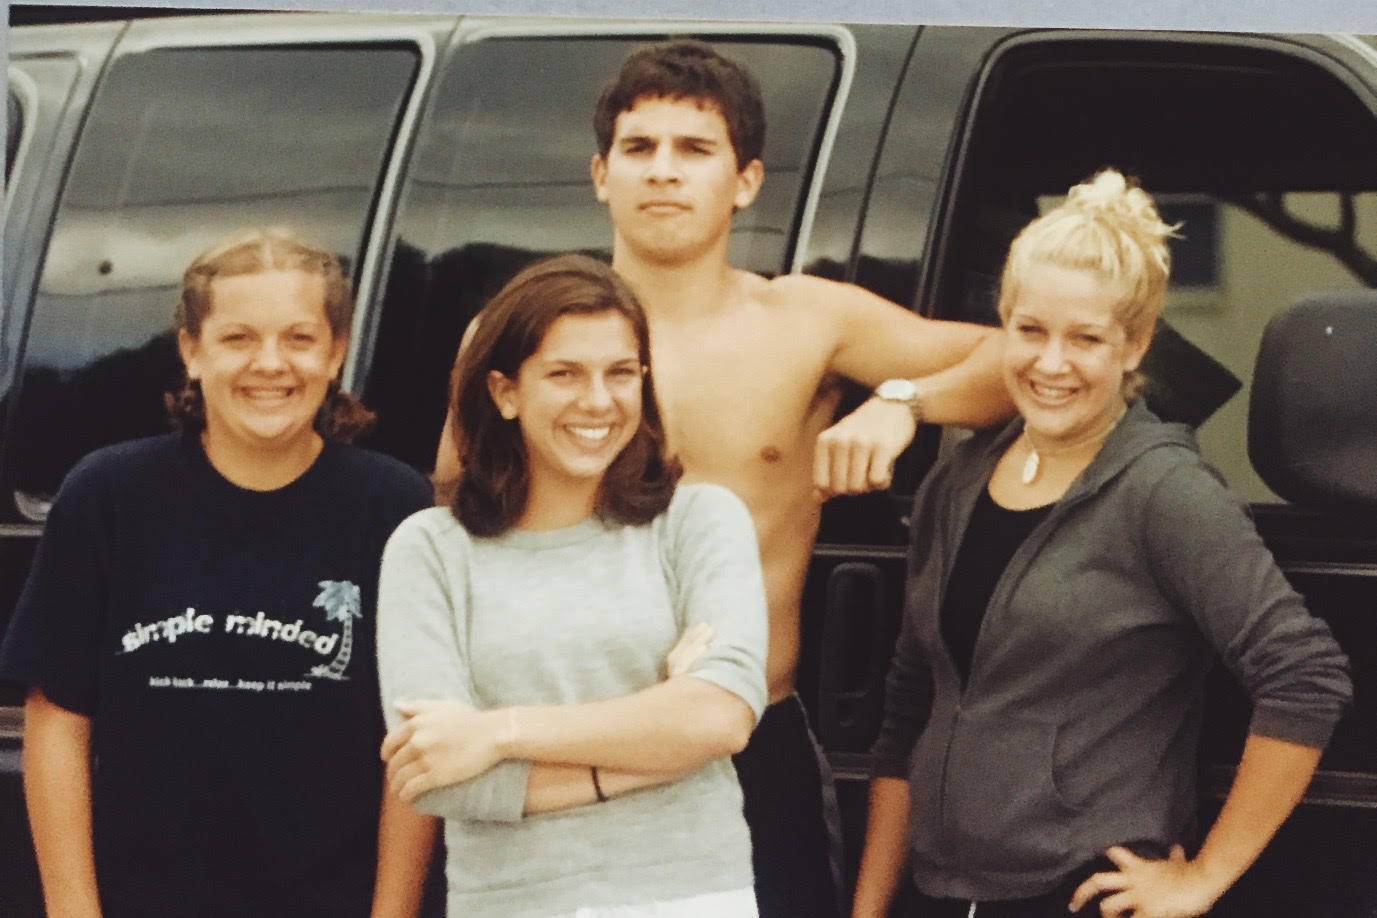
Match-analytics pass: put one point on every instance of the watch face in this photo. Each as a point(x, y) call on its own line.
point(897, 390)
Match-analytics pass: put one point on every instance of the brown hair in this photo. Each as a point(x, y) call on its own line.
point(687, 69)
point(1109, 226)
point(251, 251)
point(495, 483)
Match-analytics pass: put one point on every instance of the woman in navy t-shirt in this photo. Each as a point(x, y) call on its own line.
point(197, 632)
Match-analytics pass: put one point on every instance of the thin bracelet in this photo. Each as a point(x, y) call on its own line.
point(597, 786)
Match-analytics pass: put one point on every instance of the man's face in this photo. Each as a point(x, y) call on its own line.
point(670, 179)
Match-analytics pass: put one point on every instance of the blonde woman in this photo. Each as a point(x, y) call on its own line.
point(1072, 577)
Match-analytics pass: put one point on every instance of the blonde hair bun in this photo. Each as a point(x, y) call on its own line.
point(1111, 196)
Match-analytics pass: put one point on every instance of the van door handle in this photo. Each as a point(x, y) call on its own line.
point(855, 656)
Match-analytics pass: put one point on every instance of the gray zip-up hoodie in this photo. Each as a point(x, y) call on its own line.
point(1078, 726)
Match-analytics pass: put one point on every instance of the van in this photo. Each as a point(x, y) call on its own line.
point(438, 154)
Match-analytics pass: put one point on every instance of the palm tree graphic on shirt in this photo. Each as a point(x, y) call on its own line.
point(340, 600)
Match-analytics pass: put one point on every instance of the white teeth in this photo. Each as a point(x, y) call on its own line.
point(591, 433)
point(1051, 392)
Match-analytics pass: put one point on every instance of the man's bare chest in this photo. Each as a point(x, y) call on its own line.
point(736, 401)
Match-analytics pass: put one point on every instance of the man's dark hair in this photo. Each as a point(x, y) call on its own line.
point(495, 482)
point(687, 69)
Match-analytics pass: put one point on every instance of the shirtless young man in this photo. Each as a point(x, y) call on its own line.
point(748, 372)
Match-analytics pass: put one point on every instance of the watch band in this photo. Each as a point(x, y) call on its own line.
point(902, 391)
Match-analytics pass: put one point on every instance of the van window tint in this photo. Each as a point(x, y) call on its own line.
point(181, 147)
point(1264, 159)
point(500, 178)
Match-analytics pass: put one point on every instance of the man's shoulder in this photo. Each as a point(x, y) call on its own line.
point(812, 296)
point(815, 308)
point(796, 289)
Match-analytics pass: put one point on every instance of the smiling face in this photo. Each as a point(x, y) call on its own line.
point(577, 399)
point(671, 180)
point(1066, 353)
point(264, 359)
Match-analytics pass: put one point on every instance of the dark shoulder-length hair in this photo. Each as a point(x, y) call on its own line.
point(252, 251)
point(495, 482)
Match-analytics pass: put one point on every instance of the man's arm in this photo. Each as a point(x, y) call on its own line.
point(874, 339)
point(448, 464)
point(445, 478)
point(971, 393)
point(857, 454)
point(57, 789)
point(956, 367)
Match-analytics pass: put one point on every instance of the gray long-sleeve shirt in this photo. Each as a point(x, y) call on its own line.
point(565, 616)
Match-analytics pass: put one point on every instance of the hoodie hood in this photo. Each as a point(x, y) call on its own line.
point(1138, 432)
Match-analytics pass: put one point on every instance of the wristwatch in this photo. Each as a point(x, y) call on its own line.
point(904, 392)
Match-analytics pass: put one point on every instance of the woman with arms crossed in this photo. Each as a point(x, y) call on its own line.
point(197, 630)
point(1071, 578)
point(522, 630)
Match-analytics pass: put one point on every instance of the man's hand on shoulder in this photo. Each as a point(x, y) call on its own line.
point(857, 454)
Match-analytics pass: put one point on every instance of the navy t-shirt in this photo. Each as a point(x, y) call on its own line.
point(222, 641)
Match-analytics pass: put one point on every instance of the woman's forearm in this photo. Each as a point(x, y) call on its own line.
point(405, 841)
point(561, 787)
point(676, 725)
point(673, 726)
point(57, 790)
point(886, 848)
point(1272, 776)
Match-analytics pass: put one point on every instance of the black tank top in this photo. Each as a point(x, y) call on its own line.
point(992, 536)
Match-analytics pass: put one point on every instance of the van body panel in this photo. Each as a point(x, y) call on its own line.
point(899, 157)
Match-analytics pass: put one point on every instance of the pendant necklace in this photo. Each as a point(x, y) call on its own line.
point(1033, 464)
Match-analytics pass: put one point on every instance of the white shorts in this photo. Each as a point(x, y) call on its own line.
point(734, 903)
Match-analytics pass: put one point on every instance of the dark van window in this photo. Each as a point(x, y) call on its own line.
point(500, 178)
point(181, 147)
point(1265, 160)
